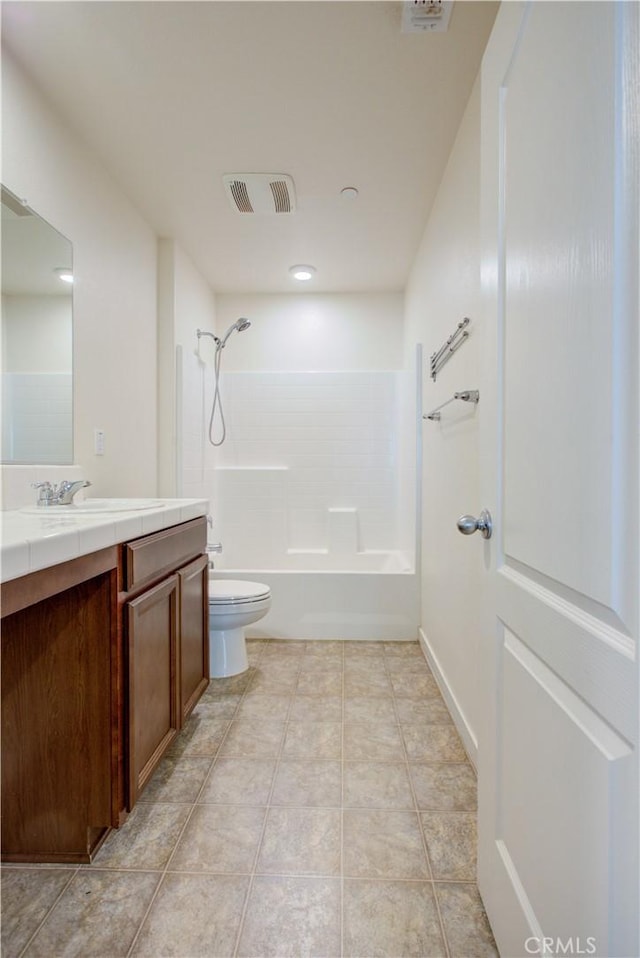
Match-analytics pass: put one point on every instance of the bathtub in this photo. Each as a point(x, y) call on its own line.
point(375, 598)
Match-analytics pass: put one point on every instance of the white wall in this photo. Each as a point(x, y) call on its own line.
point(114, 254)
point(444, 287)
point(304, 331)
point(186, 303)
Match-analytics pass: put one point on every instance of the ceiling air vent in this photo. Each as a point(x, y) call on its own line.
point(260, 192)
point(426, 16)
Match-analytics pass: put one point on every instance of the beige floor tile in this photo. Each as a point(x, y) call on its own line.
point(358, 649)
point(375, 742)
point(177, 779)
point(274, 682)
point(367, 666)
point(27, 895)
point(292, 856)
point(291, 918)
point(407, 665)
point(308, 783)
point(451, 839)
point(238, 781)
point(285, 646)
point(313, 740)
point(233, 684)
point(253, 738)
point(391, 918)
point(433, 743)
point(319, 664)
point(319, 683)
point(301, 841)
point(264, 707)
point(450, 787)
point(362, 710)
point(218, 706)
point(425, 711)
point(146, 840)
point(413, 685)
point(201, 737)
point(316, 708)
point(194, 915)
point(383, 844)
point(376, 785)
point(465, 922)
point(98, 915)
point(403, 649)
point(274, 665)
point(374, 684)
point(219, 838)
point(328, 648)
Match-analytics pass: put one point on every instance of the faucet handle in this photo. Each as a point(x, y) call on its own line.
point(46, 494)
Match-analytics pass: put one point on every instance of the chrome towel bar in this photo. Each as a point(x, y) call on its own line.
point(440, 357)
point(468, 395)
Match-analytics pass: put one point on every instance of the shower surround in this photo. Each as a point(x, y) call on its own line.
point(311, 494)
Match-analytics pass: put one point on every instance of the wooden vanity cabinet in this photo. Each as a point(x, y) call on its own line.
point(60, 781)
point(103, 659)
point(166, 642)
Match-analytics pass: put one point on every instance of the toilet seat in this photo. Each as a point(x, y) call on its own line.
point(236, 592)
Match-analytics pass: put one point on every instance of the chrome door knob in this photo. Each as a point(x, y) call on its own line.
point(467, 525)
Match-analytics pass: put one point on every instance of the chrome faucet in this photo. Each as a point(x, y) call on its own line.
point(58, 495)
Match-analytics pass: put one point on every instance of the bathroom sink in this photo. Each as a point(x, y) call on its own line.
point(95, 507)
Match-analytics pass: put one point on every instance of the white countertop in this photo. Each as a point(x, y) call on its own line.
point(35, 541)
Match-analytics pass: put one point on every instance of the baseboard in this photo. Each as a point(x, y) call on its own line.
point(467, 735)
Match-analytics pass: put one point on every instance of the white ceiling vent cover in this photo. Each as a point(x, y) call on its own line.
point(426, 16)
point(260, 192)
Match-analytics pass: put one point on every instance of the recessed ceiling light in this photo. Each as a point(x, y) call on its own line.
point(64, 273)
point(302, 273)
point(349, 193)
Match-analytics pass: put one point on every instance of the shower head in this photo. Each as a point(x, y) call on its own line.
point(240, 325)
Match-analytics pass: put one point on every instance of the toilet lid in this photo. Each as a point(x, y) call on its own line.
point(236, 590)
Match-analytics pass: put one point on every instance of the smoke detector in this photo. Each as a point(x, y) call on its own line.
point(260, 192)
point(426, 16)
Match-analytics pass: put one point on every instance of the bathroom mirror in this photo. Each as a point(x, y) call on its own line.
point(37, 338)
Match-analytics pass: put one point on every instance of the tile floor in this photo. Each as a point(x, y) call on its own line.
point(321, 804)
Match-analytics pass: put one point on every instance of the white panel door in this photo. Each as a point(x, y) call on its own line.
point(558, 768)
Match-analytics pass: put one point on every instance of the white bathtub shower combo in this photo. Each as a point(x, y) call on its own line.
point(313, 497)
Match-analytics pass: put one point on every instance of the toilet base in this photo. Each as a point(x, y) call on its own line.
point(227, 653)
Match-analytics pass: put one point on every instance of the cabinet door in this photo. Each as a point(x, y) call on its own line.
point(57, 723)
point(152, 625)
point(194, 634)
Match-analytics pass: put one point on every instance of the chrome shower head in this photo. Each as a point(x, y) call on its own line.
point(240, 325)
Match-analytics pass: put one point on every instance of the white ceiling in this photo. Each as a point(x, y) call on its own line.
point(172, 95)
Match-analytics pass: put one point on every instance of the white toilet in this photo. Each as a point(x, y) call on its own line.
point(233, 604)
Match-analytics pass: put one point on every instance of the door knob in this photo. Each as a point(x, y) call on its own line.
point(467, 525)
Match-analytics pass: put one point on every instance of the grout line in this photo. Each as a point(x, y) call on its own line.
point(76, 871)
point(276, 768)
point(424, 841)
point(374, 664)
point(194, 804)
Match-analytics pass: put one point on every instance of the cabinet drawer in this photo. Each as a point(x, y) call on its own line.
point(149, 558)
